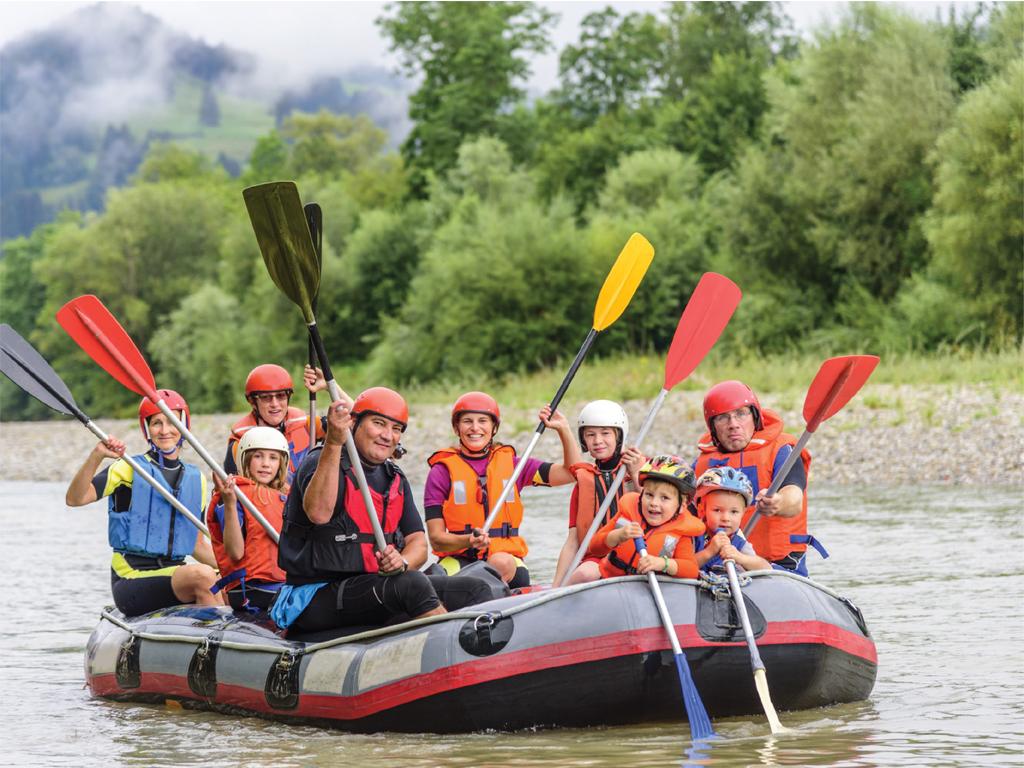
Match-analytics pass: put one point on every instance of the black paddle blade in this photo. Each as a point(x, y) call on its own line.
point(283, 236)
point(22, 364)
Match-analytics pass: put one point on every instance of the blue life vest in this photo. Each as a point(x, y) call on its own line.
point(737, 540)
point(151, 526)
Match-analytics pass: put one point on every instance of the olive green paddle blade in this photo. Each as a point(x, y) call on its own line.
point(622, 281)
point(282, 232)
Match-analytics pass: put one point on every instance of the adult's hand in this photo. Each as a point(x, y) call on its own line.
point(479, 539)
point(339, 422)
point(390, 561)
point(111, 448)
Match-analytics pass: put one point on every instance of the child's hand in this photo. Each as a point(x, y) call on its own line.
point(728, 552)
point(651, 564)
point(633, 459)
point(314, 379)
point(631, 530)
point(719, 540)
point(226, 488)
point(556, 420)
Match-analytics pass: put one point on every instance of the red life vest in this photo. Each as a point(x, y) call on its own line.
point(344, 545)
point(587, 499)
point(673, 539)
point(295, 429)
point(465, 510)
point(260, 558)
point(771, 536)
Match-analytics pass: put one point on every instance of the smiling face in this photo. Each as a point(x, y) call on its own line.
point(164, 435)
point(262, 465)
point(723, 511)
point(601, 442)
point(475, 431)
point(376, 438)
point(734, 429)
point(659, 502)
point(271, 407)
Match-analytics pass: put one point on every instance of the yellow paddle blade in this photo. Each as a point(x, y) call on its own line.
point(620, 285)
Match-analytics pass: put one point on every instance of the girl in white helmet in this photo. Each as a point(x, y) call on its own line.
point(602, 428)
point(246, 555)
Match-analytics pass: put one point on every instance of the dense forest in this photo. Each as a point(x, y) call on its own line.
point(864, 187)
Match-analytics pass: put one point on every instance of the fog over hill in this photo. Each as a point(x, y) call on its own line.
point(69, 95)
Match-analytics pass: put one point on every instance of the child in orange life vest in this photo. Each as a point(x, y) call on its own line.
point(657, 514)
point(722, 496)
point(602, 428)
point(466, 479)
point(245, 552)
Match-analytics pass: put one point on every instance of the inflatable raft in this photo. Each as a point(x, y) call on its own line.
point(586, 655)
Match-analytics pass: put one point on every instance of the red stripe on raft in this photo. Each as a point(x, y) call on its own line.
point(478, 671)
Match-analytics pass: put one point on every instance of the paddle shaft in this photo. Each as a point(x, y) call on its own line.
point(760, 678)
point(312, 400)
point(511, 484)
point(700, 724)
point(217, 468)
point(613, 489)
point(350, 443)
point(77, 412)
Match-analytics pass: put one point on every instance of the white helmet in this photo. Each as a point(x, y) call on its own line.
point(603, 413)
point(266, 438)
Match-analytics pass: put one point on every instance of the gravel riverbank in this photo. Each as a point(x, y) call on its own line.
point(887, 435)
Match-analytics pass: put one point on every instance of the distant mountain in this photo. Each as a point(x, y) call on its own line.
point(81, 100)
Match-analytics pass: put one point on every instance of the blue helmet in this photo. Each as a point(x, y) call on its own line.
point(724, 479)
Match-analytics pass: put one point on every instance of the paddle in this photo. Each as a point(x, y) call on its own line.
point(838, 380)
point(760, 678)
point(282, 232)
point(618, 289)
point(703, 319)
point(96, 330)
point(700, 724)
point(315, 220)
point(22, 364)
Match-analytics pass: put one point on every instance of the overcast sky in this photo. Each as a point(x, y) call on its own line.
point(306, 37)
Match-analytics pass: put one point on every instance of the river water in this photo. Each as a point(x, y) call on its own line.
point(938, 573)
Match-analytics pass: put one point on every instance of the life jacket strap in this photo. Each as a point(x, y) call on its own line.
point(621, 564)
point(806, 538)
point(505, 532)
point(226, 581)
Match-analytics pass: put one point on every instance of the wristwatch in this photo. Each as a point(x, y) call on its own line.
point(405, 565)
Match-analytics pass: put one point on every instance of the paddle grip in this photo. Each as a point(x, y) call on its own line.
point(778, 480)
point(612, 492)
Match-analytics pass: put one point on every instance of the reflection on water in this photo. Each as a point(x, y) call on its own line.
point(940, 593)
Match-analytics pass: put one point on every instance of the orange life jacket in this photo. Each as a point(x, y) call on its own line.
point(771, 536)
point(673, 539)
point(465, 509)
point(295, 428)
point(587, 498)
point(260, 558)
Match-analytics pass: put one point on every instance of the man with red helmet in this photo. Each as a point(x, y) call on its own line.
point(335, 576)
point(268, 388)
point(149, 537)
point(466, 478)
point(746, 437)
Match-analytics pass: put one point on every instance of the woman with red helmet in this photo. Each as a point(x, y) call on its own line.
point(746, 437)
point(268, 388)
point(335, 575)
point(465, 478)
point(149, 537)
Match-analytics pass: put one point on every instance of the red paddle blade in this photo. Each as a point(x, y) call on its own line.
point(838, 380)
point(704, 318)
point(97, 331)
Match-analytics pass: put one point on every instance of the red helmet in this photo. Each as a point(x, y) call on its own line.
point(268, 378)
point(728, 396)
point(174, 401)
point(383, 402)
point(476, 402)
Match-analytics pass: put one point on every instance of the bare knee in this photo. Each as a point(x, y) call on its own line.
point(586, 572)
point(504, 564)
point(192, 583)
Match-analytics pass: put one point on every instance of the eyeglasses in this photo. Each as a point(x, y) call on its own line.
point(740, 415)
point(269, 397)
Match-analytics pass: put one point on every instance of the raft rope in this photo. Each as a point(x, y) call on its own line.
point(709, 582)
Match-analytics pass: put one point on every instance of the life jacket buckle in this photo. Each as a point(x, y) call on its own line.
point(342, 537)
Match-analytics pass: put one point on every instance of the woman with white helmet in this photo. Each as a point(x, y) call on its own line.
point(246, 555)
point(602, 429)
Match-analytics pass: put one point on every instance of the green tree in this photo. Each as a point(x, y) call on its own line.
point(330, 144)
point(268, 160)
point(975, 228)
point(470, 58)
point(170, 162)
